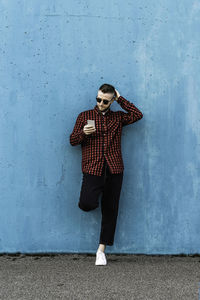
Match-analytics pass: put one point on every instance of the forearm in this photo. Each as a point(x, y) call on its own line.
point(77, 138)
point(133, 113)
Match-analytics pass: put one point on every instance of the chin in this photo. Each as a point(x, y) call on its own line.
point(102, 108)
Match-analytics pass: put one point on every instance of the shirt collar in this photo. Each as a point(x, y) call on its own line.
point(96, 109)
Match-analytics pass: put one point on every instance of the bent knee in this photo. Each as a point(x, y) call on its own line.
point(87, 207)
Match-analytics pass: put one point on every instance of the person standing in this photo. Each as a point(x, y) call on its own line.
point(102, 162)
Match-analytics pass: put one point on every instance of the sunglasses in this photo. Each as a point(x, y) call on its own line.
point(104, 100)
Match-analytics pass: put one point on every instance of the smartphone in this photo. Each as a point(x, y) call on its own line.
point(91, 122)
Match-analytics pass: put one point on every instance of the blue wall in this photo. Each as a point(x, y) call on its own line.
point(54, 56)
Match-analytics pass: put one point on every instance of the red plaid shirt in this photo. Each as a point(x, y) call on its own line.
point(105, 142)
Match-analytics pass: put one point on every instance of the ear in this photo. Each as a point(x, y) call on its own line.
point(112, 100)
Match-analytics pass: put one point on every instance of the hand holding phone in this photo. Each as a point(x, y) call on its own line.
point(89, 127)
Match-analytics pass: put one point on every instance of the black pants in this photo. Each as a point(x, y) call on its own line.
point(110, 185)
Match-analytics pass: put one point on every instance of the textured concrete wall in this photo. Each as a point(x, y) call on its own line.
point(54, 55)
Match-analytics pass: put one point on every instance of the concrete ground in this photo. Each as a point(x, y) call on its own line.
point(75, 276)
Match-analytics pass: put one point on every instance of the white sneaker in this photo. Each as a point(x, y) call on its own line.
point(100, 258)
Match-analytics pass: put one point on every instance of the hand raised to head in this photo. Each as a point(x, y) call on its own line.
point(118, 94)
